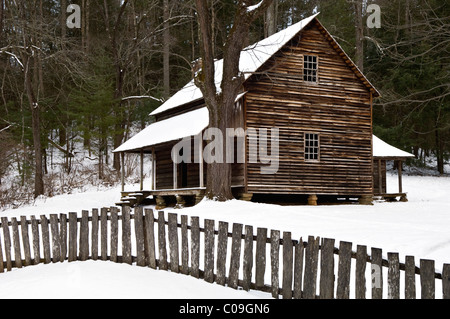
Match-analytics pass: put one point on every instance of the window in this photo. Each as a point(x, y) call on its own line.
point(311, 147)
point(310, 68)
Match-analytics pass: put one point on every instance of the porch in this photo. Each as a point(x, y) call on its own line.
point(168, 179)
point(160, 196)
point(179, 197)
point(383, 152)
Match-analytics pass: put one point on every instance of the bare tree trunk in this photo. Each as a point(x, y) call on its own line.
point(31, 85)
point(359, 27)
point(62, 129)
point(220, 104)
point(36, 128)
point(83, 24)
point(218, 177)
point(2, 8)
point(193, 37)
point(62, 22)
point(166, 48)
point(87, 28)
point(120, 73)
point(39, 53)
point(439, 148)
point(118, 126)
point(213, 27)
point(100, 162)
point(270, 26)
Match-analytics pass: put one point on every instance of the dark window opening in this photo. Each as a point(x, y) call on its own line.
point(310, 68)
point(311, 147)
point(184, 174)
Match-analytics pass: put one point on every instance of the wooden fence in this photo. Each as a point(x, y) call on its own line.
point(307, 269)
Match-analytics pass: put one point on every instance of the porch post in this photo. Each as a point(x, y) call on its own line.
point(122, 170)
point(175, 177)
point(380, 178)
point(142, 169)
point(200, 155)
point(400, 188)
point(153, 169)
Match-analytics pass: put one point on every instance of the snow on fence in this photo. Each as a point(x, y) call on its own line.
point(308, 269)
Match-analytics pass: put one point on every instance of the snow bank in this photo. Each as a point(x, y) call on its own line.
point(108, 280)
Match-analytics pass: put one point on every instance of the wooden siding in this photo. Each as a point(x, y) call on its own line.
point(337, 107)
point(164, 169)
point(164, 166)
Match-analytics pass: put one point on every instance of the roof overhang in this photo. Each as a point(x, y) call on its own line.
point(171, 129)
point(383, 150)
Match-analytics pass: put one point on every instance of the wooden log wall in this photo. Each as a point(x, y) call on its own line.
point(164, 169)
point(171, 242)
point(164, 166)
point(337, 107)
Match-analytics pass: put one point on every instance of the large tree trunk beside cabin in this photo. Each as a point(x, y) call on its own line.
point(220, 104)
point(218, 174)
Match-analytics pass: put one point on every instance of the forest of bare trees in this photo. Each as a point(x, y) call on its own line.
point(64, 88)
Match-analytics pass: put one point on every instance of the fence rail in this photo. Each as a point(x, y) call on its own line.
point(270, 262)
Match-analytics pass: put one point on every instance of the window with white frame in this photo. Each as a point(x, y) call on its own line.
point(311, 147)
point(310, 68)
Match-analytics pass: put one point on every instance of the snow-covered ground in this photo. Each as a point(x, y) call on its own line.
point(107, 280)
point(419, 228)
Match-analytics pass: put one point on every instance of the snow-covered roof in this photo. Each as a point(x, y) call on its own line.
point(193, 122)
point(252, 58)
point(171, 129)
point(383, 149)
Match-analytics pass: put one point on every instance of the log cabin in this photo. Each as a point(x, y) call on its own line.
point(299, 81)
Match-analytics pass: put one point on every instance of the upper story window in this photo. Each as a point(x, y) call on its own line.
point(310, 68)
point(312, 147)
